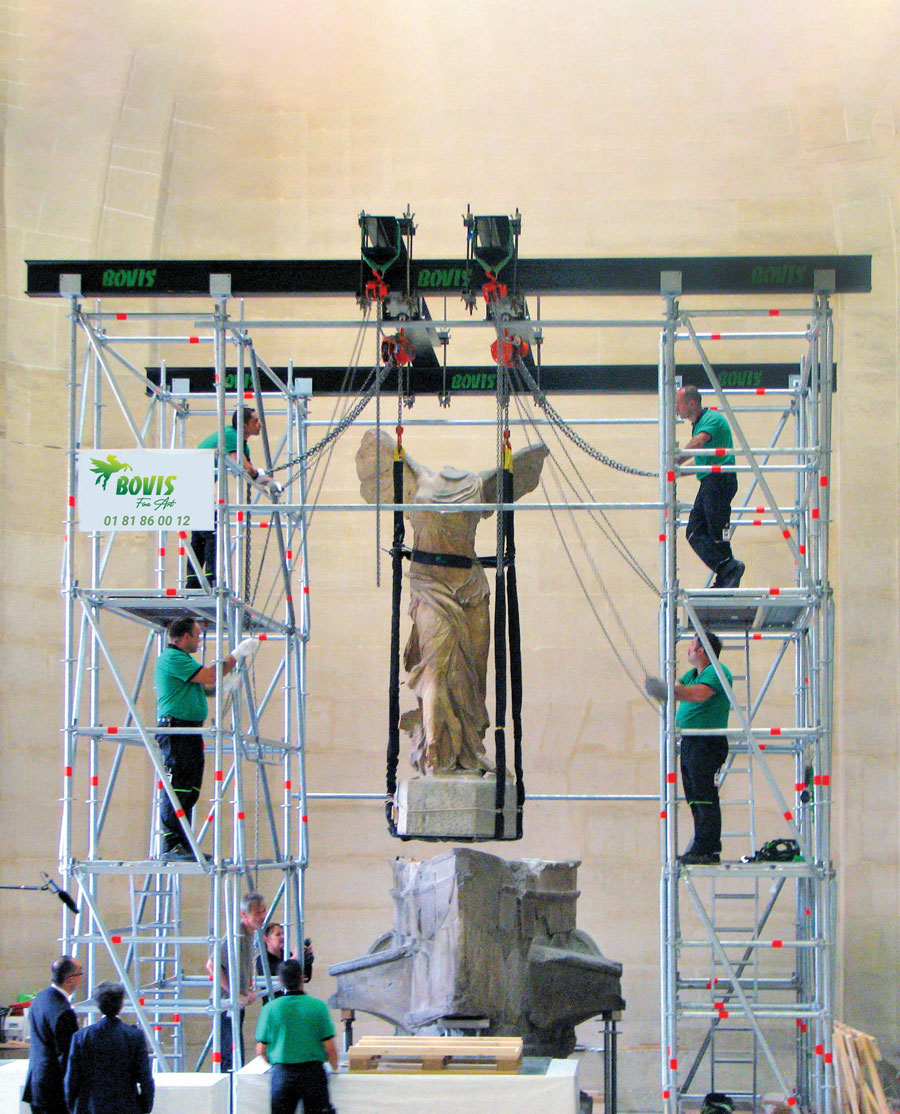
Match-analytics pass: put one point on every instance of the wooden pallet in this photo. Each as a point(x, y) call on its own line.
point(470, 1054)
point(856, 1072)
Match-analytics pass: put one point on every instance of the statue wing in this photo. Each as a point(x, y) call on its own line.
point(527, 465)
point(374, 460)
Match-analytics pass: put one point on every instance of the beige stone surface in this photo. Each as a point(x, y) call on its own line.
point(203, 129)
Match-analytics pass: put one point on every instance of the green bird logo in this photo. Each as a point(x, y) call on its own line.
point(107, 468)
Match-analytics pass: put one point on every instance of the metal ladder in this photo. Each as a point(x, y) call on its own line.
point(154, 956)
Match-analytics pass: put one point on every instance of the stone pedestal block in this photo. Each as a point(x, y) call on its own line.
point(453, 807)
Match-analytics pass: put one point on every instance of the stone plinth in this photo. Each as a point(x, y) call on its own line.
point(486, 944)
point(453, 807)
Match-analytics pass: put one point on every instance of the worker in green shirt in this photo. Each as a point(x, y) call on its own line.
point(203, 542)
point(296, 1035)
point(704, 707)
point(181, 686)
point(710, 518)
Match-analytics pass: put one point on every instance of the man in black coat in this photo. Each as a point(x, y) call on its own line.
point(109, 1069)
point(52, 1024)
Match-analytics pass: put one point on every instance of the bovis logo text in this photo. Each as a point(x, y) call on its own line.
point(437, 278)
point(145, 485)
point(746, 377)
point(474, 381)
point(780, 274)
point(127, 278)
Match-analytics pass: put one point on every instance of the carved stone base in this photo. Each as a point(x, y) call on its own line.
point(453, 807)
point(478, 940)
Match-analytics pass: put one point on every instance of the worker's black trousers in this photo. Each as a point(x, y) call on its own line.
point(710, 518)
point(293, 1082)
point(183, 758)
point(702, 756)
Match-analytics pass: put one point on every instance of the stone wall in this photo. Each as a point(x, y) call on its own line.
point(230, 130)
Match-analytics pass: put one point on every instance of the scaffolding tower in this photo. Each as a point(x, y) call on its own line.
point(747, 949)
point(158, 921)
point(748, 946)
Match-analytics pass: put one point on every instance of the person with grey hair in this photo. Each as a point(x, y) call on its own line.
point(52, 1024)
point(109, 1068)
point(710, 517)
point(253, 917)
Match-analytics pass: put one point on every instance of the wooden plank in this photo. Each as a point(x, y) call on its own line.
point(504, 1041)
point(870, 1053)
point(478, 1045)
point(867, 1098)
point(844, 1076)
point(496, 1054)
point(856, 1072)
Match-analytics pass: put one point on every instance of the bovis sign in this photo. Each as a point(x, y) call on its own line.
point(145, 489)
point(118, 278)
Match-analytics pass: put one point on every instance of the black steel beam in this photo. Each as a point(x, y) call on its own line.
point(753, 274)
point(552, 378)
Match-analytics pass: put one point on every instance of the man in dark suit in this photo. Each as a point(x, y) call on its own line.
point(52, 1024)
point(109, 1069)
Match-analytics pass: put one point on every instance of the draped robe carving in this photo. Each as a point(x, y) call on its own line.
point(447, 650)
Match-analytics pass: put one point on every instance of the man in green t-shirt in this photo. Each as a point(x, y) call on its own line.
point(710, 518)
point(203, 542)
point(704, 706)
point(296, 1035)
point(181, 685)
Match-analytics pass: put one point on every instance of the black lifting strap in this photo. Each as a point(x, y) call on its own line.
point(500, 676)
point(393, 751)
point(515, 651)
point(506, 612)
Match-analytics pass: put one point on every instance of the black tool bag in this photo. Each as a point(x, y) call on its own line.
point(717, 1103)
point(775, 851)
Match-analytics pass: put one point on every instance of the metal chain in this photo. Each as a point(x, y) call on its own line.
point(544, 403)
point(262, 561)
point(557, 420)
point(624, 552)
point(600, 519)
point(380, 373)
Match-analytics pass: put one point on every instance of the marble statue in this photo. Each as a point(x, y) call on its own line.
point(447, 651)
